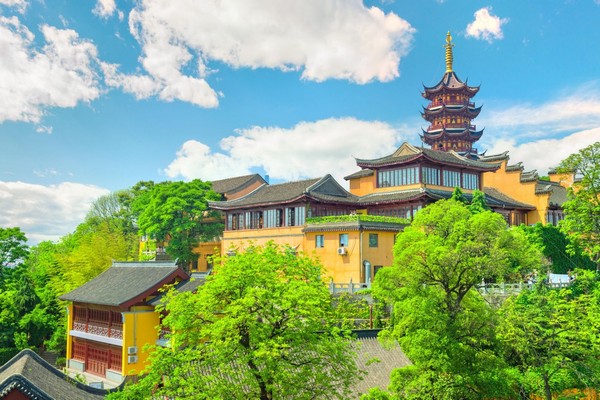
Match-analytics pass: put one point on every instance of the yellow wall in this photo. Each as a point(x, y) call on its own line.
point(240, 239)
point(69, 327)
point(363, 186)
point(139, 329)
point(206, 249)
point(509, 183)
point(342, 268)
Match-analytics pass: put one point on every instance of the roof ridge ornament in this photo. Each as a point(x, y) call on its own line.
point(449, 58)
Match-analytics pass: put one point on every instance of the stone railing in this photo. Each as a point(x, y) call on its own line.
point(350, 287)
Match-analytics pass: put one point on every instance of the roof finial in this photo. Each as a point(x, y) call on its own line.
point(449, 45)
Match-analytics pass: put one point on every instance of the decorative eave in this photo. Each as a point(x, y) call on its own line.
point(434, 136)
point(450, 82)
point(359, 174)
point(529, 176)
point(515, 167)
point(494, 157)
point(472, 112)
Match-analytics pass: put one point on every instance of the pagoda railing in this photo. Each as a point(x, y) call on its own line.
point(456, 125)
point(437, 103)
point(98, 322)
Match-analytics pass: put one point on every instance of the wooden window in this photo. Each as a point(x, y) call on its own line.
point(373, 240)
point(319, 241)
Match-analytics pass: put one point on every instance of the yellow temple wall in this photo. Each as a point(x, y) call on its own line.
point(240, 239)
point(509, 183)
point(363, 186)
point(204, 250)
point(139, 329)
point(69, 327)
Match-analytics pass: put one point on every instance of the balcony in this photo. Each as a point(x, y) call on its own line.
point(114, 330)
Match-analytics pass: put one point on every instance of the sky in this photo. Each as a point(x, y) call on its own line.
point(96, 95)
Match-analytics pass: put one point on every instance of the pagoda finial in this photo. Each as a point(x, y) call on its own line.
point(449, 45)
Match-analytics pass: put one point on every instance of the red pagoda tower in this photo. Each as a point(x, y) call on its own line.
point(451, 111)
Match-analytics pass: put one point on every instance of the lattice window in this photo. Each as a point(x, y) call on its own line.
point(115, 360)
point(79, 350)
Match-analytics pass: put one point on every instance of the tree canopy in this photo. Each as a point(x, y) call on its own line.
point(13, 247)
point(178, 213)
point(443, 324)
point(264, 317)
point(582, 210)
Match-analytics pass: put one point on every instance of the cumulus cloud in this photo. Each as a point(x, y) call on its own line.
point(46, 212)
point(107, 8)
point(324, 39)
point(579, 111)
point(543, 154)
point(60, 74)
point(19, 5)
point(307, 150)
point(486, 26)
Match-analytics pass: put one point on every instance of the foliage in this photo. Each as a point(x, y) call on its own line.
point(442, 323)
point(177, 212)
point(478, 202)
point(582, 210)
point(13, 247)
point(352, 311)
point(258, 328)
point(563, 255)
point(356, 217)
point(551, 336)
point(459, 196)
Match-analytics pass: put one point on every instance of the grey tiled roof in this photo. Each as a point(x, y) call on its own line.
point(359, 174)
point(353, 226)
point(390, 197)
point(558, 194)
point(529, 176)
point(378, 361)
point(493, 198)
point(515, 167)
point(326, 189)
point(189, 285)
point(444, 157)
point(124, 282)
point(494, 157)
point(452, 81)
point(236, 183)
point(29, 373)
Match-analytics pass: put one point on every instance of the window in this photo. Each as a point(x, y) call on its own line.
point(343, 240)
point(376, 269)
point(373, 240)
point(398, 177)
point(319, 241)
point(470, 181)
point(431, 175)
point(451, 178)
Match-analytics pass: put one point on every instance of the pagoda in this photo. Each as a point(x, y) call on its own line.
point(451, 111)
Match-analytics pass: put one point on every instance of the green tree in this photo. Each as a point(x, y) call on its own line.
point(551, 336)
point(582, 210)
point(459, 196)
point(261, 318)
point(440, 320)
point(478, 202)
point(563, 255)
point(13, 248)
point(178, 213)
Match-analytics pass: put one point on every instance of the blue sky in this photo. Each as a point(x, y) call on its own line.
point(98, 95)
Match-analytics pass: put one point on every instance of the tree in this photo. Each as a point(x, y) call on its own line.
point(13, 247)
point(582, 210)
point(478, 203)
point(440, 320)
point(177, 212)
point(459, 196)
point(258, 328)
point(551, 336)
point(563, 255)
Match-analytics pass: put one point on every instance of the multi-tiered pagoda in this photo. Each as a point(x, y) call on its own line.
point(451, 111)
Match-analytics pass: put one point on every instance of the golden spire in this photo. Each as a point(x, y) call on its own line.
point(449, 45)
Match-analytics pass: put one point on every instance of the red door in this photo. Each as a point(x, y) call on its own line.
point(97, 361)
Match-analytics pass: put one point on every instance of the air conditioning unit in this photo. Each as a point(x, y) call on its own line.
point(132, 350)
point(342, 251)
point(131, 359)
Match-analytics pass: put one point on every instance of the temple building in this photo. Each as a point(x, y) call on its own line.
point(451, 111)
point(355, 244)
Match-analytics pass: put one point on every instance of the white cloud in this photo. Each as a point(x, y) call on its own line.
point(486, 26)
point(61, 74)
point(543, 154)
point(106, 8)
point(44, 129)
point(307, 150)
point(324, 39)
point(45, 212)
point(19, 5)
point(578, 111)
